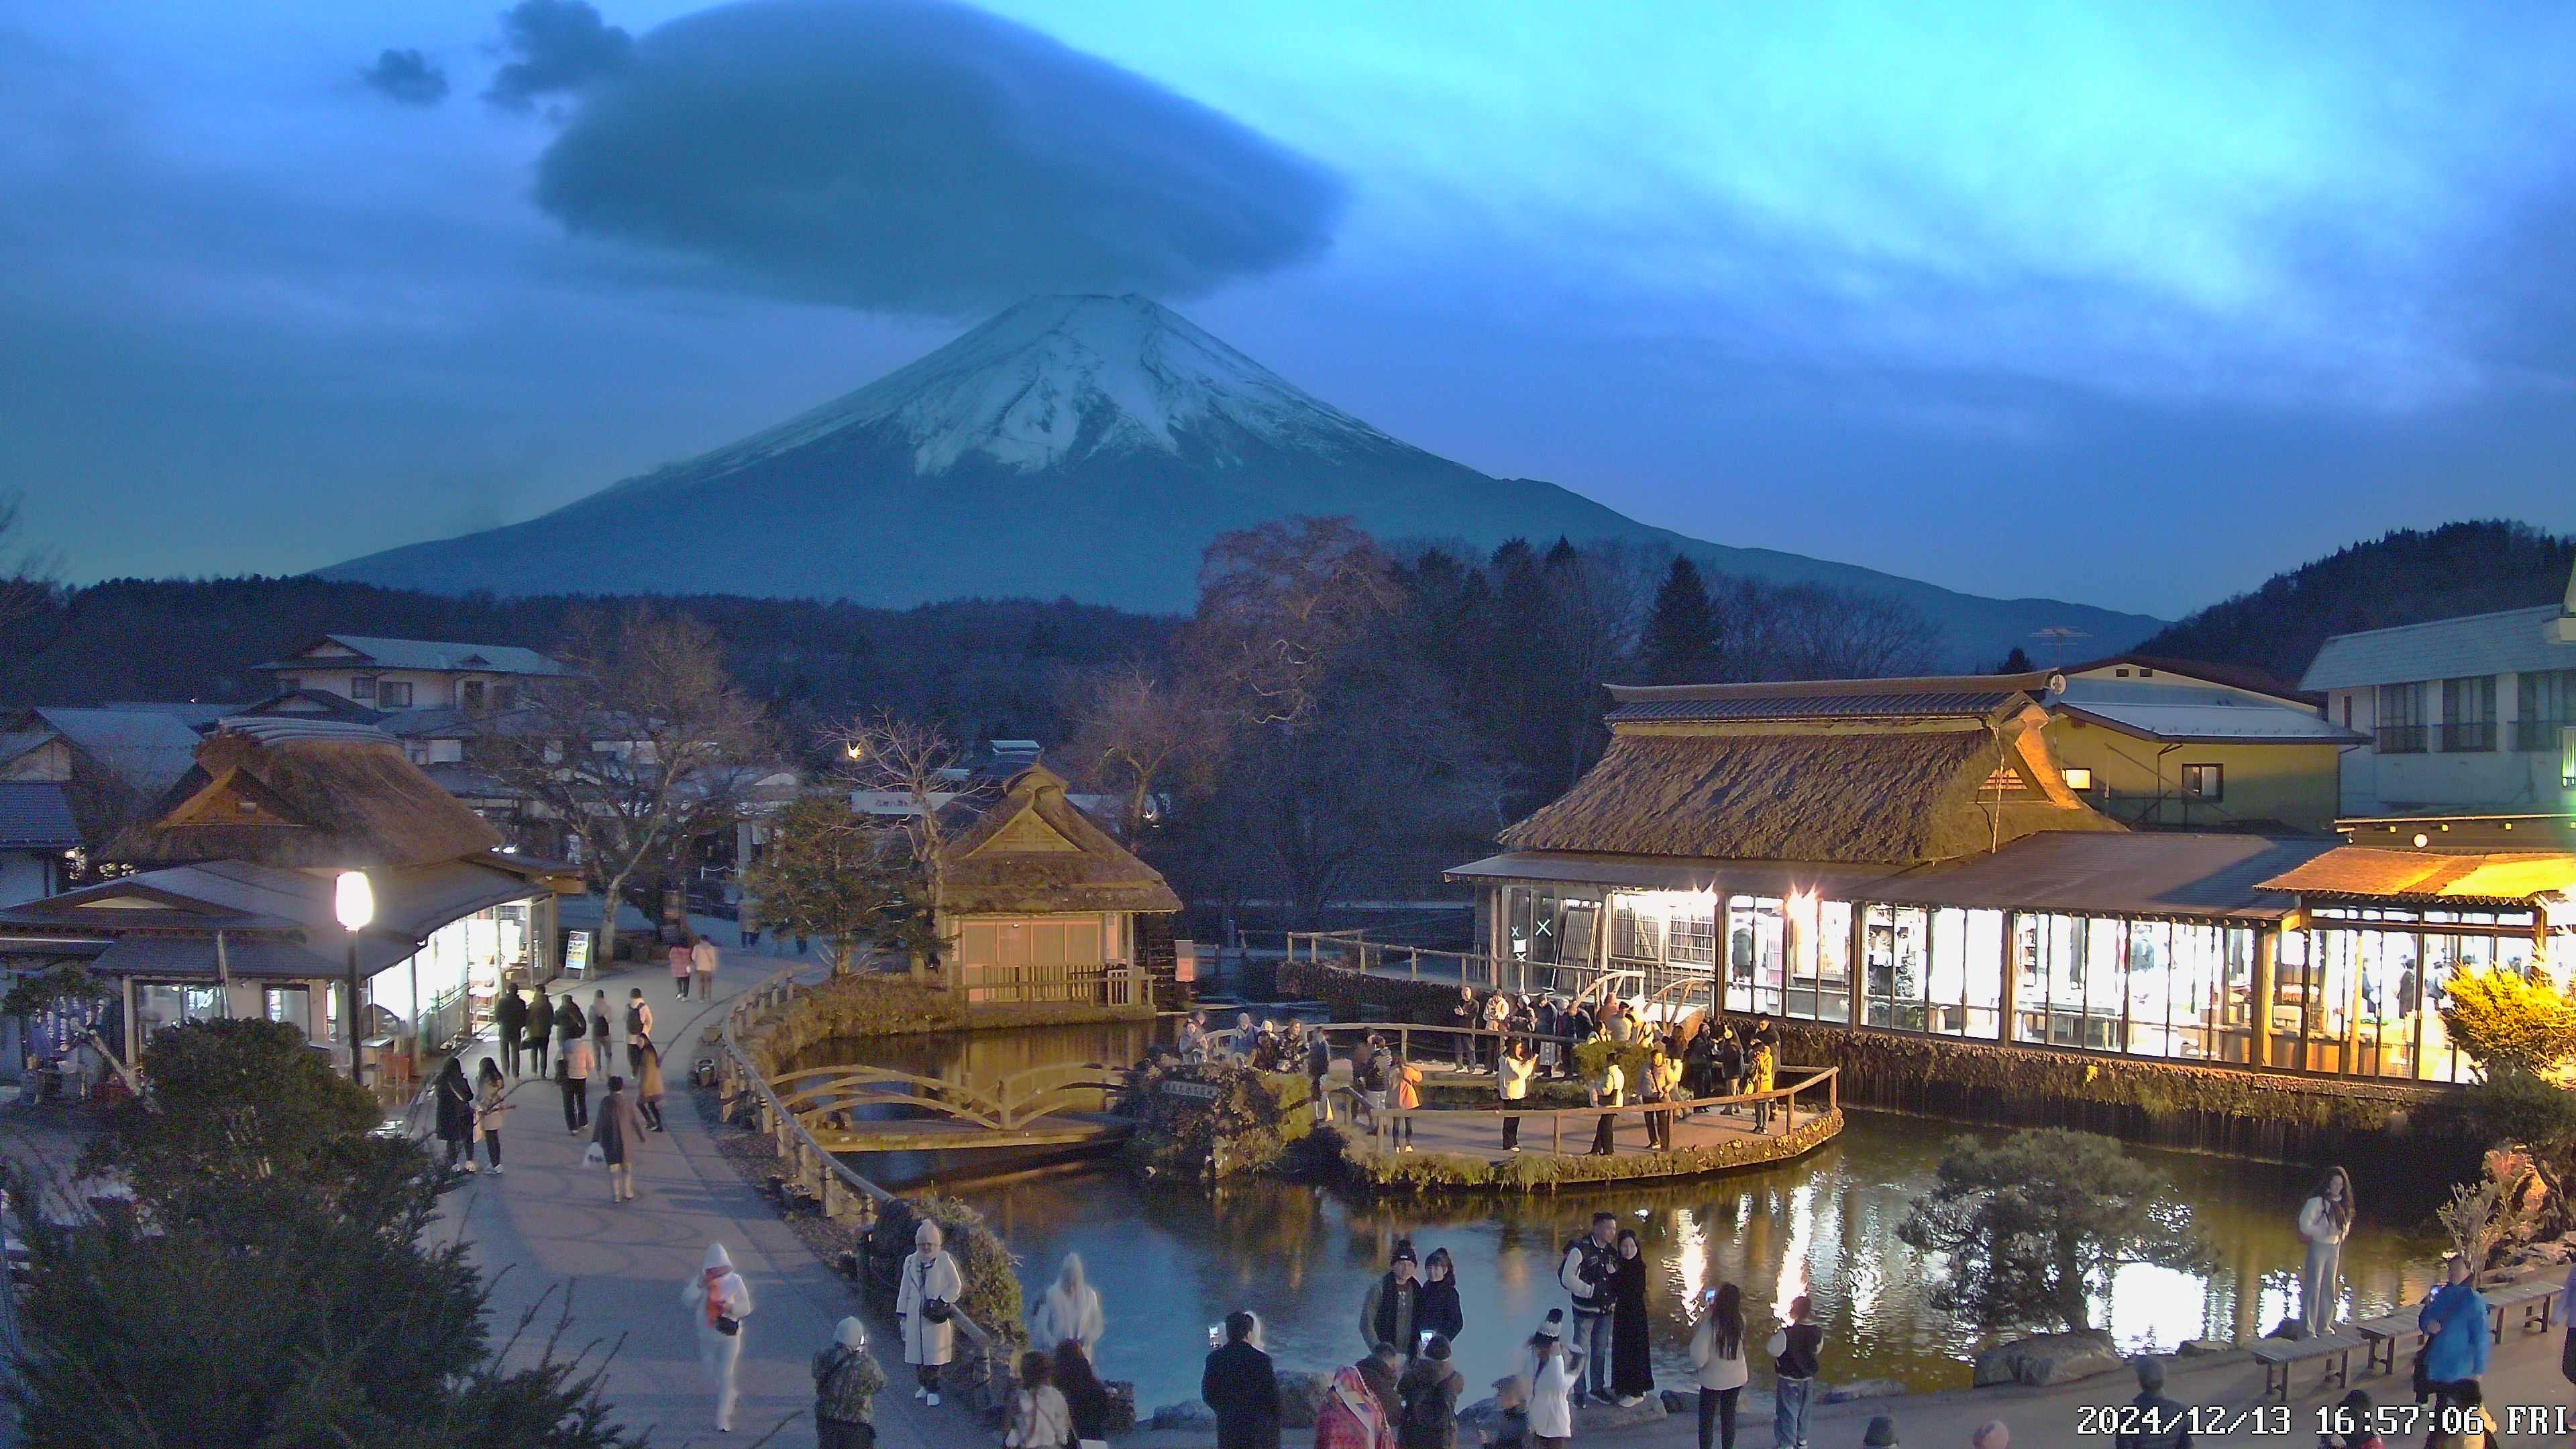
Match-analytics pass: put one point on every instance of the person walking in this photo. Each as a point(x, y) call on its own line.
point(599, 1028)
point(1242, 1385)
point(1554, 1382)
point(1430, 1390)
point(931, 1288)
point(1407, 1091)
point(1070, 1309)
point(1440, 1311)
point(539, 1032)
point(1352, 1416)
point(491, 1102)
point(681, 965)
point(509, 1022)
point(1512, 1082)
point(2325, 1220)
point(846, 1384)
point(702, 965)
point(572, 1071)
point(1392, 1310)
point(1584, 1272)
point(1319, 1065)
point(639, 1028)
point(1632, 1371)
point(1038, 1418)
point(1084, 1395)
point(571, 1023)
point(648, 1086)
point(455, 1098)
point(1609, 1089)
point(2153, 1421)
point(1717, 1361)
point(1794, 1349)
point(718, 1301)
point(619, 1132)
point(2454, 1355)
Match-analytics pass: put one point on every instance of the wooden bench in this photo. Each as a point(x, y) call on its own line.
point(2381, 1335)
point(2277, 1354)
point(2537, 1297)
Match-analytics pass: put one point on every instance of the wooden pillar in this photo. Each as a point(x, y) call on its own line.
point(1857, 959)
point(2267, 942)
point(2008, 998)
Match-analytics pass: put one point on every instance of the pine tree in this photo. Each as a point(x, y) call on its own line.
point(1681, 633)
point(2017, 662)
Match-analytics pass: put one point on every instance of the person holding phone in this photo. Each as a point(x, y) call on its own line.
point(1554, 1381)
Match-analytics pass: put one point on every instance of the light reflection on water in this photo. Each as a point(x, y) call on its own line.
point(1172, 1260)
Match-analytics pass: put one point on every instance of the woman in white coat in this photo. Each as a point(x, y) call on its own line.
point(718, 1301)
point(1070, 1311)
point(930, 1277)
point(2325, 1219)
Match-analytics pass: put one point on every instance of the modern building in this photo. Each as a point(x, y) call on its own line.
point(1042, 905)
point(230, 910)
point(393, 675)
point(2172, 744)
point(2469, 727)
point(1908, 856)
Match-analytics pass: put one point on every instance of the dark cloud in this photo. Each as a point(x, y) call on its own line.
point(555, 46)
point(921, 157)
point(406, 76)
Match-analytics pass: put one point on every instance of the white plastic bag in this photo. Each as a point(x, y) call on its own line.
point(597, 1156)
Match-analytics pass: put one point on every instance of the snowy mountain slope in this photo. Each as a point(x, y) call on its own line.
point(1086, 447)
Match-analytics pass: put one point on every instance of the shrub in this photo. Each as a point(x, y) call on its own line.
point(234, 1105)
point(2034, 1226)
point(992, 1275)
point(2509, 1024)
point(1246, 1127)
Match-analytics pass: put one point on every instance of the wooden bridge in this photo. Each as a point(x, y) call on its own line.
point(879, 1109)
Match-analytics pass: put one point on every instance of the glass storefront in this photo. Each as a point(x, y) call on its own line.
point(2361, 991)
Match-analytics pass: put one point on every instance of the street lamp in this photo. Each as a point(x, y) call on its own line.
point(353, 900)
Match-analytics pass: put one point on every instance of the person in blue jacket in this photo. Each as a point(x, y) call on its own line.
point(2456, 1339)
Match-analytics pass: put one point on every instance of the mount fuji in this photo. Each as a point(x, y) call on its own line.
point(1087, 447)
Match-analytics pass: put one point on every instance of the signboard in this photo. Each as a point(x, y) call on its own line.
point(576, 953)
point(1199, 1090)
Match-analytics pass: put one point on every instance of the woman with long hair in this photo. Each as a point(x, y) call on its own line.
point(1039, 1417)
point(1632, 1372)
point(490, 1103)
point(2325, 1220)
point(1438, 1310)
point(1718, 1362)
point(1086, 1398)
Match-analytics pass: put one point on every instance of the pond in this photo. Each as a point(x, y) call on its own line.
point(1171, 1260)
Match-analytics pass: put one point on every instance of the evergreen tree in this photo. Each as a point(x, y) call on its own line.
point(2017, 662)
point(1681, 633)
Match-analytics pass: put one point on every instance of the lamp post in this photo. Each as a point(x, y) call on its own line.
point(354, 902)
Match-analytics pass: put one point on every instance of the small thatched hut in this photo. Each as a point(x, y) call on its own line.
point(1043, 905)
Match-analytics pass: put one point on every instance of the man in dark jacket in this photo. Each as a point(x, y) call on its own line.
point(1242, 1386)
point(509, 1022)
point(1394, 1301)
point(2156, 1422)
point(1383, 1368)
point(570, 1021)
point(1430, 1388)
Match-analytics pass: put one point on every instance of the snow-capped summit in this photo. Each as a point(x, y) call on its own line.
point(1055, 379)
point(1086, 448)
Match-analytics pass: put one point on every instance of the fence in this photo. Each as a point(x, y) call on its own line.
point(1110, 983)
point(1824, 1079)
point(1669, 987)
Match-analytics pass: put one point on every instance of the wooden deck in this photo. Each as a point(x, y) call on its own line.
point(1480, 1133)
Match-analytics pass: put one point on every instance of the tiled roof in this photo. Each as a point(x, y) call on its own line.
point(147, 749)
point(427, 654)
point(2516, 641)
point(1883, 705)
point(36, 815)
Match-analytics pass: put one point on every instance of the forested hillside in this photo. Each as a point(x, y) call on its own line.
point(2402, 577)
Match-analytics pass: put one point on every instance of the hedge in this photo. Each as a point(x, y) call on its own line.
point(992, 1295)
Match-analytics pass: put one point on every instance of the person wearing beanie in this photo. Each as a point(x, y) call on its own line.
point(2159, 1422)
point(1430, 1390)
point(1992, 1434)
point(846, 1383)
point(718, 1301)
point(1393, 1308)
point(1880, 1435)
point(1551, 1383)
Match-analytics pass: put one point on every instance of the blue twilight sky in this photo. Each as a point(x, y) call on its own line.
point(2131, 304)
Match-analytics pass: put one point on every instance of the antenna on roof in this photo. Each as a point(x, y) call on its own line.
point(2059, 637)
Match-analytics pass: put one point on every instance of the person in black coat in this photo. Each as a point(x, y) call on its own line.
point(539, 1032)
point(455, 1098)
point(1242, 1386)
point(509, 1022)
point(1440, 1311)
point(570, 1021)
point(1632, 1372)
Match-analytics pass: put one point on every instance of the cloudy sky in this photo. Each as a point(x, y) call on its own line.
point(2128, 304)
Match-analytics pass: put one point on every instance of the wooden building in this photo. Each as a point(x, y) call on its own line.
point(1040, 904)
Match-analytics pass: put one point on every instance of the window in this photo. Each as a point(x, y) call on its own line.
point(503, 695)
point(470, 694)
point(2468, 714)
point(2204, 782)
point(393, 694)
point(289, 1004)
point(362, 686)
point(2347, 709)
point(2548, 705)
point(2078, 778)
point(2401, 719)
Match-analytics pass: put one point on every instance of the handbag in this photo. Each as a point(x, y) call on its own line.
point(933, 1309)
point(728, 1326)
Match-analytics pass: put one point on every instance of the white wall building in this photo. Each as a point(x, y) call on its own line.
point(393, 675)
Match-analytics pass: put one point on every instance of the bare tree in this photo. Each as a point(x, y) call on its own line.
point(1135, 734)
point(26, 576)
point(1277, 602)
point(646, 744)
point(925, 773)
point(1808, 631)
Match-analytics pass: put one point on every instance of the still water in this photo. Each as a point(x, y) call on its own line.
point(1172, 1260)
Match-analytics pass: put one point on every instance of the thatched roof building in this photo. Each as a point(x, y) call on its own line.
point(305, 794)
point(1035, 852)
point(1893, 771)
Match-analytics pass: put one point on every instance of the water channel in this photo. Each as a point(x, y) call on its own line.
point(1170, 1260)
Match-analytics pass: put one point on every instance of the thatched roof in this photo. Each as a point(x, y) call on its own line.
point(1860, 792)
point(305, 796)
point(1036, 853)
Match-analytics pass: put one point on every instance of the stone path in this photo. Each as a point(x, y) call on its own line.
point(547, 1224)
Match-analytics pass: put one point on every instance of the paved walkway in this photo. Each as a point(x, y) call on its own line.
point(547, 1223)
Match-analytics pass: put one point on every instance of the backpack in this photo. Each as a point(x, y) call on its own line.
point(1429, 1418)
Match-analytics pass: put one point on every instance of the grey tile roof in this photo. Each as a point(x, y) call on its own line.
point(2515, 641)
point(425, 654)
point(149, 750)
point(36, 815)
point(1890, 705)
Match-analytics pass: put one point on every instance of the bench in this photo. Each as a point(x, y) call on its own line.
point(2381, 1334)
point(2537, 1297)
point(2277, 1354)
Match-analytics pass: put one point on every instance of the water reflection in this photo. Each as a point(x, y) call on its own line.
point(1172, 1260)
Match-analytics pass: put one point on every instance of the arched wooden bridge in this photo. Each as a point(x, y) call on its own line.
point(1052, 1106)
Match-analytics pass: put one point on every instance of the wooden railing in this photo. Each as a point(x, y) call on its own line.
point(1826, 1080)
point(1109, 983)
point(1018, 1100)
